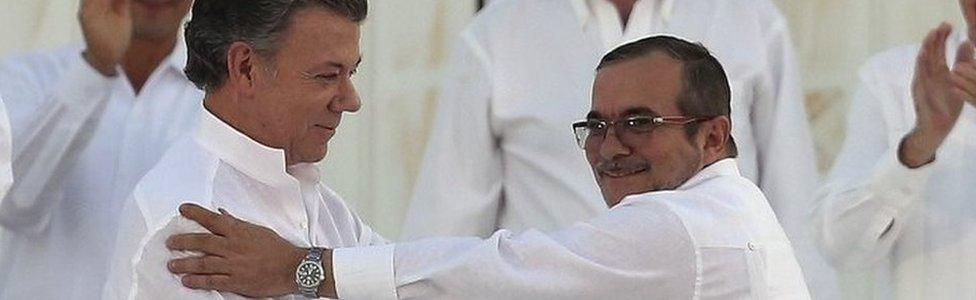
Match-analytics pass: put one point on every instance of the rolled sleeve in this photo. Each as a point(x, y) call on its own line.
point(364, 273)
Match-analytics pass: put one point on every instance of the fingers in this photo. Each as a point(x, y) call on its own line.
point(216, 223)
point(965, 52)
point(207, 282)
point(937, 58)
point(202, 265)
point(201, 242)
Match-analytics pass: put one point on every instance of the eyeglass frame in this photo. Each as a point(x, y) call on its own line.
point(580, 127)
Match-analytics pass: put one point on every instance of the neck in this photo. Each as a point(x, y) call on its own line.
point(624, 8)
point(144, 56)
point(227, 107)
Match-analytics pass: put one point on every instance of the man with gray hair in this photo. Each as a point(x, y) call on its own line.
point(277, 76)
point(683, 222)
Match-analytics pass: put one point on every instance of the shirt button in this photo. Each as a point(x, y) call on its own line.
point(752, 247)
point(304, 225)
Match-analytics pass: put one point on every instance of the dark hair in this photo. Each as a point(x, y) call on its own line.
point(706, 91)
point(216, 24)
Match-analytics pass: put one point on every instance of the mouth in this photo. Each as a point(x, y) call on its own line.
point(326, 128)
point(621, 173)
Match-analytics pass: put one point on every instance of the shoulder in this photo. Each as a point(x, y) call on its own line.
point(894, 65)
point(713, 214)
point(503, 18)
point(49, 62)
point(183, 175)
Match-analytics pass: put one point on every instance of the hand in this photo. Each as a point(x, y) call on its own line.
point(938, 94)
point(107, 27)
point(241, 257)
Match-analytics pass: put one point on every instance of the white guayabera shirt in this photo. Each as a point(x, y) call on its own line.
point(915, 227)
point(80, 142)
point(219, 167)
point(715, 237)
point(501, 153)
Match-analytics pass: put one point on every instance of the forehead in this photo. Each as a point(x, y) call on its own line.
point(651, 82)
point(317, 35)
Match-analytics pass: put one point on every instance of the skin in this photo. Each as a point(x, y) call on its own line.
point(134, 34)
point(661, 160)
point(293, 100)
point(939, 93)
point(252, 260)
point(624, 8)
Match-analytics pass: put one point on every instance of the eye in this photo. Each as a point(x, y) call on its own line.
point(639, 123)
point(327, 77)
point(596, 126)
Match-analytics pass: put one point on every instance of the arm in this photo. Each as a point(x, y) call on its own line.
point(139, 263)
point(876, 184)
point(639, 248)
point(458, 190)
point(51, 120)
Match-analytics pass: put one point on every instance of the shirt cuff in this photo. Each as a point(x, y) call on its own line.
point(364, 273)
point(897, 183)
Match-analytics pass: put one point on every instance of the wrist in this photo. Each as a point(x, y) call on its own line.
point(918, 148)
point(328, 287)
point(106, 69)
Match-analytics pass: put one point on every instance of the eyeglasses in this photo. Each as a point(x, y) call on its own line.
point(628, 129)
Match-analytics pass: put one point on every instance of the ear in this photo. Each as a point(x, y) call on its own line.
point(241, 68)
point(716, 133)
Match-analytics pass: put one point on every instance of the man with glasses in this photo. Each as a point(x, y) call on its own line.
point(683, 223)
point(521, 71)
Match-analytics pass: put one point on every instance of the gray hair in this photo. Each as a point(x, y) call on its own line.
point(216, 24)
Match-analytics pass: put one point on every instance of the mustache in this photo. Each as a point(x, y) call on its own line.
point(622, 165)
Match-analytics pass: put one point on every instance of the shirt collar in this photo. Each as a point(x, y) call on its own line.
point(584, 12)
point(725, 167)
point(255, 160)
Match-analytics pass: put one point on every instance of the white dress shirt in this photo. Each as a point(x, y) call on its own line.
point(915, 227)
point(502, 154)
point(220, 167)
point(715, 237)
point(80, 142)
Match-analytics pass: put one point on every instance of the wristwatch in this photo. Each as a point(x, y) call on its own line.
point(310, 274)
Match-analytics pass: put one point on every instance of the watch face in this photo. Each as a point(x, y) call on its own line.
point(309, 274)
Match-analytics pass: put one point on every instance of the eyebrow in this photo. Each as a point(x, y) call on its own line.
point(639, 110)
point(341, 65)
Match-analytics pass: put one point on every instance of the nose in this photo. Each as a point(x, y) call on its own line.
point(347, 100)
point(611, 147)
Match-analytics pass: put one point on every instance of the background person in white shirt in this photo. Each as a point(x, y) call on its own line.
point(88, 120)
point(900, 199)
point(683, 223)
point(522, 70)
point(278, 78)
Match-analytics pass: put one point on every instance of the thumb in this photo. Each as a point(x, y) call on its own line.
point(965, 52)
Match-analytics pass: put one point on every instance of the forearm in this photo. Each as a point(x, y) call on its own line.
point(44, 137)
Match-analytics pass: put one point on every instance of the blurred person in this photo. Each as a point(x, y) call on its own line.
point(498, 156)
point(899, 199)
point(88, 121)
point(277, 76)
point(683, 223)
